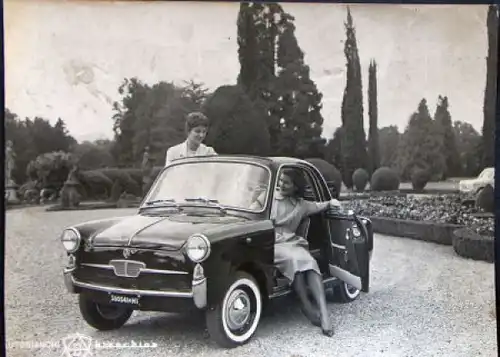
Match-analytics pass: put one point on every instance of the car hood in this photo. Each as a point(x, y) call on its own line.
point(468, 182)
point(170, 233)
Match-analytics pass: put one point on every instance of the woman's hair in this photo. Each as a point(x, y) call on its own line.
point(195, 119)
point(298, 181)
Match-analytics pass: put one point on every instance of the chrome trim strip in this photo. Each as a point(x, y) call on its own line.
point(110, 289)
point(143, 270)
point(338, 246)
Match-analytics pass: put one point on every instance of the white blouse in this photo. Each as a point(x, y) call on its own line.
point(181, 151)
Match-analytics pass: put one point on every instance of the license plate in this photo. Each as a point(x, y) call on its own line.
point(124, 299)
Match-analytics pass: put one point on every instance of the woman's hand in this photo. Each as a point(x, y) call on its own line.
point(335, 204)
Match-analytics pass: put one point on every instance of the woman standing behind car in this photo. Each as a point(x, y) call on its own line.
point(196, 129)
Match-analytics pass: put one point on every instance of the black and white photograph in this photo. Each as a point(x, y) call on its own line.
point(249, 179)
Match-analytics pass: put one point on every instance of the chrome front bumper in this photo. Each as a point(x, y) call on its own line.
point(198, 293)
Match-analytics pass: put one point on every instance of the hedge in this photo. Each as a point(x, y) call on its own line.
point(441, 233)
point(469, 244)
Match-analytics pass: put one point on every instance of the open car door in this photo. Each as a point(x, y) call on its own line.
point(349, 249)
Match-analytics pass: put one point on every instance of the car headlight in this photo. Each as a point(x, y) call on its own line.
point(71, 239)
point(198, 248)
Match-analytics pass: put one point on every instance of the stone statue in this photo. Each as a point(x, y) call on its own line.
point(9, 163)
point(10, 193)
point(70, 197)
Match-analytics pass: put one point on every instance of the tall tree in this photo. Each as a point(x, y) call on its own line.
point(373, 140)
point(490, 92)
point(299, 100)
point(444, 126)
point(353, 135)
point(469, 148)
point(421, 145)
point(334, 149)
point(257, 46)
point(152, 116)
point(31, 138)
point(389, 137)
point(236, 127)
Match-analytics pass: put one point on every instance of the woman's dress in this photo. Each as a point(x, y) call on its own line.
point(291, 251)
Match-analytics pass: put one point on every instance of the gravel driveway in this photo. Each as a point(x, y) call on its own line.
point(424, 301)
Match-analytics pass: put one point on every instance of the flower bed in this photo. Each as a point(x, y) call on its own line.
point(450, 209)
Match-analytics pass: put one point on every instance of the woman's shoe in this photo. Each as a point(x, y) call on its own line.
point(328, 332)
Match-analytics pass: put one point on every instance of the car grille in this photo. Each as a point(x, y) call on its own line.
point(127, 268)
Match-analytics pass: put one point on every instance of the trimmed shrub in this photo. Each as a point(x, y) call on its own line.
point(95, 183)
point(419, 178)
point(469, 244)
point(330, 173)
point(360, 178)
point(384, 179)
point(485, 199)
point(128, 184)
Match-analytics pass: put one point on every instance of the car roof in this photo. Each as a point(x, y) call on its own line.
point(263, 160)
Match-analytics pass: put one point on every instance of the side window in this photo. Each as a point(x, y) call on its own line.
point(311, 193)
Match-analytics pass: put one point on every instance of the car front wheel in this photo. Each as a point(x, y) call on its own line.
point(235, 319)
point(346, 293)
point(103, 317)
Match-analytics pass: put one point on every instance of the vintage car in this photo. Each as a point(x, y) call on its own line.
point(475, 185)
point(197, 243)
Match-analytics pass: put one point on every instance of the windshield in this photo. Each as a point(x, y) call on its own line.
point(487, 173)
point(223, 184)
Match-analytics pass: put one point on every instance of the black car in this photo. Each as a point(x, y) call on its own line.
point(196, 243)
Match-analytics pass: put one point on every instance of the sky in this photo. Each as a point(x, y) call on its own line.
point(67, 58)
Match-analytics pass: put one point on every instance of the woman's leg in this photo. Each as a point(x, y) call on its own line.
point(318, 290)
point(300, 287)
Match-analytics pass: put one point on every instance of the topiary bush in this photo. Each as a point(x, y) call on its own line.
point(485, 199)
point(330, 173)
point(419, 178)
point(95, 183)
point(384, 179)
point(360, 178)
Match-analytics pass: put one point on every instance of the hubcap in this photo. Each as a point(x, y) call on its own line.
point(351, 290)
point(238, 309)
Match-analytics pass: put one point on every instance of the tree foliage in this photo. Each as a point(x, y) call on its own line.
point(51, 169)
point(276, 79)
point(444, 127)
point(94, 155)
point(373, 140)
point(421, 145)
point(389, 137)
point(469, 148)
point(154, 116)
point(490, 92)
point(353, 141)
point(33, 137)
point(236, 125)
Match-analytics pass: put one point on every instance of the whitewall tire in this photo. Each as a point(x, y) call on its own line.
point(347, 293)
point(235, 319)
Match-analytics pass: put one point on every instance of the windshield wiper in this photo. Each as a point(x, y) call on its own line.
point(208, 202)
point(163, 203)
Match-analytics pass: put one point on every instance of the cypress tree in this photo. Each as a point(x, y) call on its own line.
point(373, 140)
point(353, 139)
point(444, 125)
